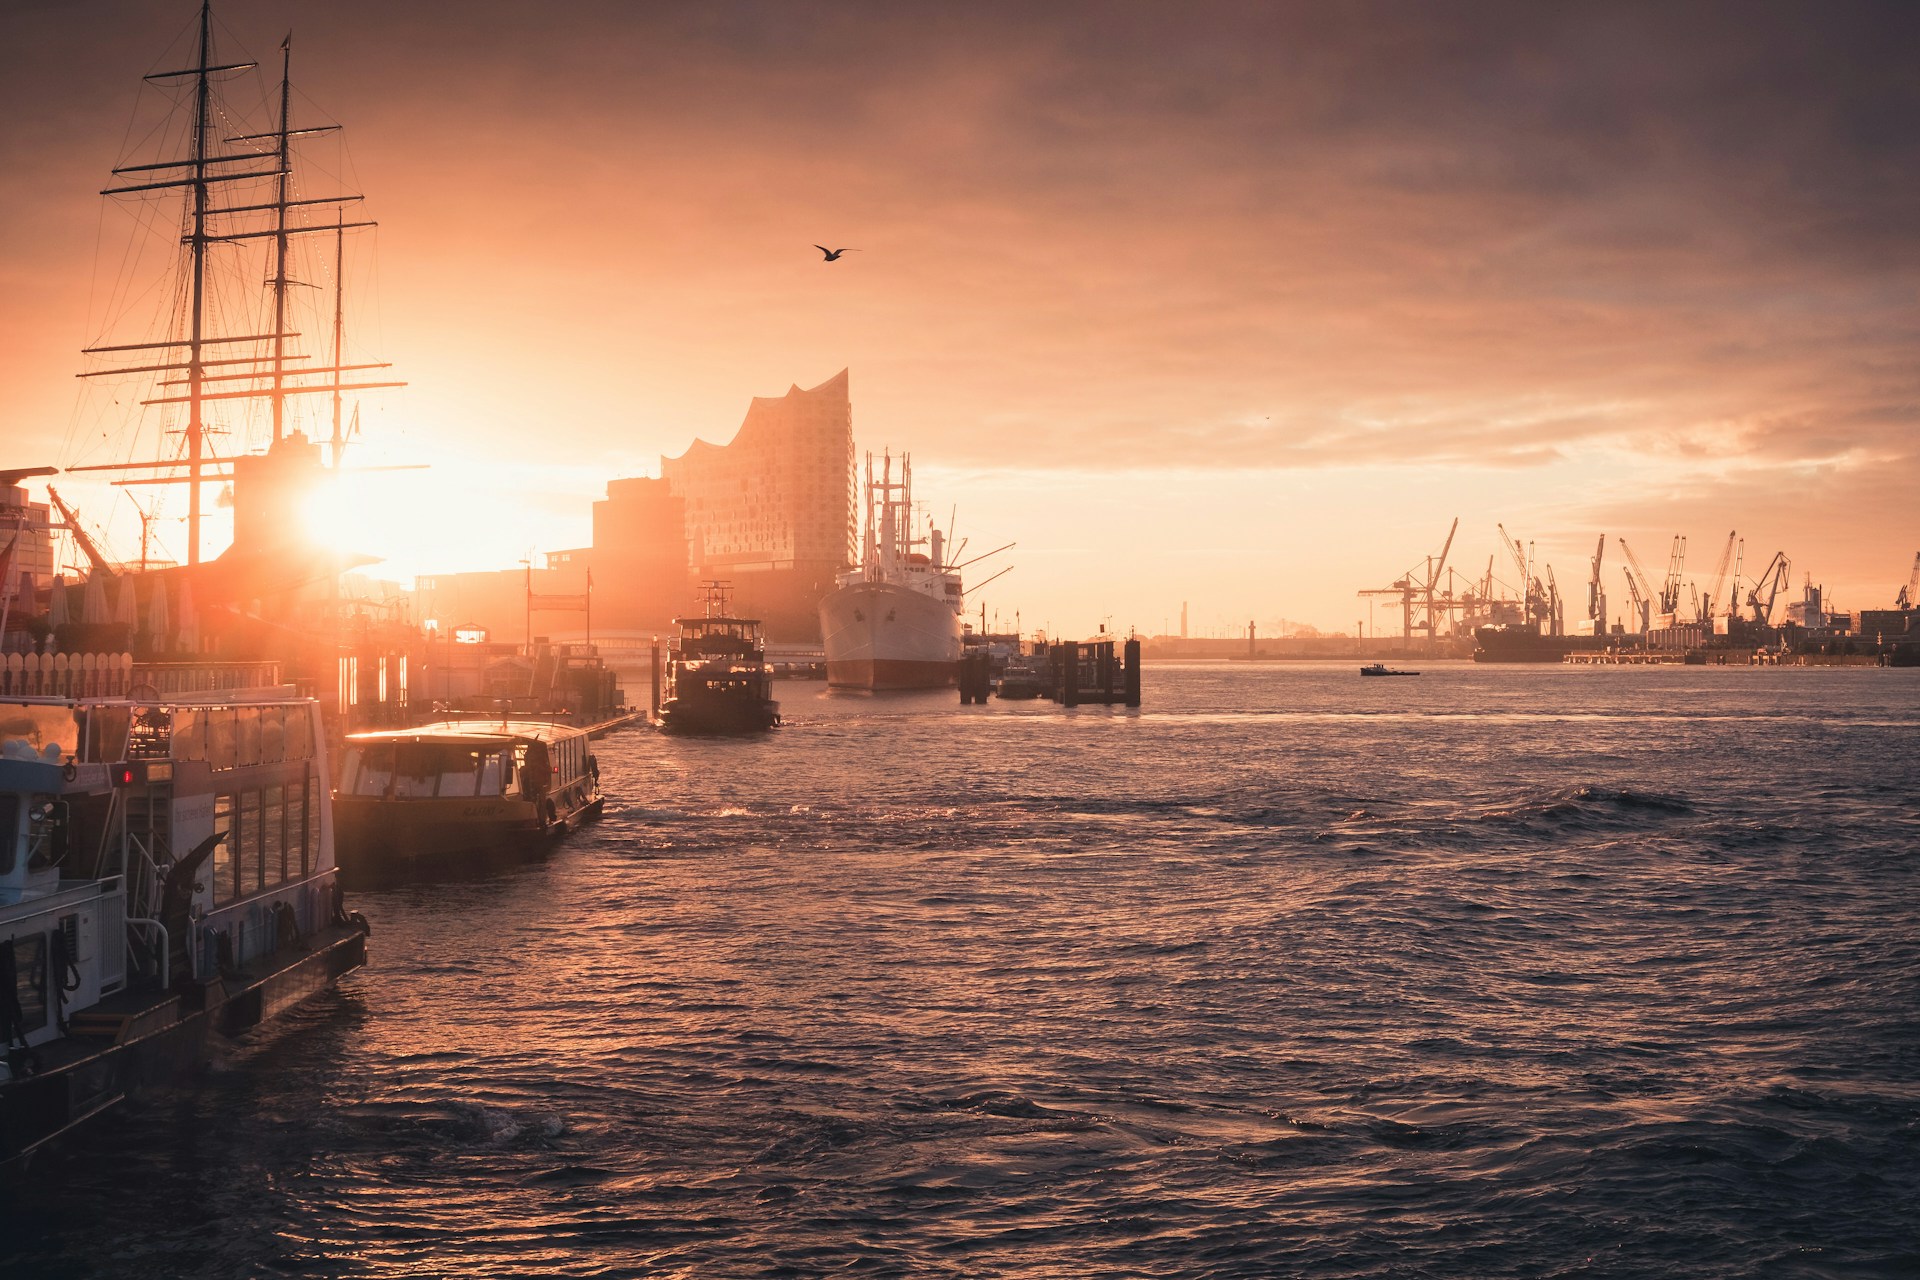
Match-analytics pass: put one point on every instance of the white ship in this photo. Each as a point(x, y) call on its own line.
point(894, 621)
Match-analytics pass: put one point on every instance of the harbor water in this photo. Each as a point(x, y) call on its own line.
point(1496, 972)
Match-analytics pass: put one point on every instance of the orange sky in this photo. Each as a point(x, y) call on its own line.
point(1233, 304)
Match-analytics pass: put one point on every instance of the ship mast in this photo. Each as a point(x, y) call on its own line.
point(201, 174)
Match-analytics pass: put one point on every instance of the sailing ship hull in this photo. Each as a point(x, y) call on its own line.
point(881, 636)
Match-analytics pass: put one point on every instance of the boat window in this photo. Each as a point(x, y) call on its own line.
point(460, 773)
point(107, 729)
point(273, 845)
point(251, 841)
point(246, 748)
point(296, 829)
point(491, 774)
point(44, 732)
point(375, 772)
point(220, 737)
point(226, 886)
point(416, 769)
point(312, 854)
point(273, 735)
point(189, 733)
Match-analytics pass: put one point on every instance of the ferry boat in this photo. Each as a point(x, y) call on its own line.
point(457, 793)
point(718, 679)
point(1382, 669)
point(166, 873)
point(894, 622)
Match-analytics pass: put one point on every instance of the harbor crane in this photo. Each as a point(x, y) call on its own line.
point(88, 547)
point(1909, 595)
point(1633, 593)
point(1641, 589)
point(1705, 612)
point(1596, 596)
point(1416, 587)
point(1771, 580)
point(1670, 588)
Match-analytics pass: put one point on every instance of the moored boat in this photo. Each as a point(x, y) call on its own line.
point(458, 794)
point(166, 873)
point(718, 680)
point(894, 621)
point(1382, 669)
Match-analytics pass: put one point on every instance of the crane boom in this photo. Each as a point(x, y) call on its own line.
point(1719, 577)
point(1910, 594)
point(88, 547)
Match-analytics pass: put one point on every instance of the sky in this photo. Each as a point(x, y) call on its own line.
point(1233, 305)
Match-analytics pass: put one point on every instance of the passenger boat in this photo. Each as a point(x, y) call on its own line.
point(166, 873)
point(1382, 669)
point(457, 793)
point(718, 680)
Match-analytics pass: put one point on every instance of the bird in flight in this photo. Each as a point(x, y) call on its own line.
point(833, 255)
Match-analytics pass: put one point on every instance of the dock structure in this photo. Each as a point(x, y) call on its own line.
point(1091, 672)
point(976, 676)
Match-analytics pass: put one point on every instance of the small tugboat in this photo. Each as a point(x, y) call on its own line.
point(1382, 669)
point(1025, 677)
point(718, 680)
point(166, 872)
point(456, 793)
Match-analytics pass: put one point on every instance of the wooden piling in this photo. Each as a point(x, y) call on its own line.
point(656, 678)
point(1133, 672)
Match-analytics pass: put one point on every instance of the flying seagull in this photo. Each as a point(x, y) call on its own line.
point(833, 255)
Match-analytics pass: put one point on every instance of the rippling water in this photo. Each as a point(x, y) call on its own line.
point(1499, 972)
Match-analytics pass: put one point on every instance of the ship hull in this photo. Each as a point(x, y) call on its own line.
point(880, 636)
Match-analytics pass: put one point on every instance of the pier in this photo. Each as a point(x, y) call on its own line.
point(1091, 672)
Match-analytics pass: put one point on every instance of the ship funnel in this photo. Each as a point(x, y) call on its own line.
point(938, 541)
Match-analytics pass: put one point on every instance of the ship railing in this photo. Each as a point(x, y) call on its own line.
point(162, 945)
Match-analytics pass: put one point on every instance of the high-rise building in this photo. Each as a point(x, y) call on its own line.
point(772, 511)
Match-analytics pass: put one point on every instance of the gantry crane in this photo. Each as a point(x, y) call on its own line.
point(1910, 594)
point(1417, 587)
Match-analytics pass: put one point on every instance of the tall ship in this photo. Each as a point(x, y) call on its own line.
point(166, 876)
point(893, 622)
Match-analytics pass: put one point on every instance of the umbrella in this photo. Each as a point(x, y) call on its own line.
point(126, 607)
point(57, 603)
point(93, 600)
point(158, 624)
point(189, 629)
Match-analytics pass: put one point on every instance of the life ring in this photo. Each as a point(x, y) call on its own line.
point(70, 770)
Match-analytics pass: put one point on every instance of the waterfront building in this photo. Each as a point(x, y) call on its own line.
point(772, 511)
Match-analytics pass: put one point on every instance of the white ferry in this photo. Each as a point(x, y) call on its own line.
point(166, 873)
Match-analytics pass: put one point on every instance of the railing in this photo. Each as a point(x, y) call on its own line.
point(163, 949)
point(66, 675)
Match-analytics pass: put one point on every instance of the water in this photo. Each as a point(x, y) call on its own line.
point(1499, 972)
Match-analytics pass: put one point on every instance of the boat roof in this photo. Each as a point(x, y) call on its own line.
point(474, 733)
point(689, 622)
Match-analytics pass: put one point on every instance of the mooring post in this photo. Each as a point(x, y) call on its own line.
point(1070, 652)
point(1103, 669)
point(1133, 672)
point(656, 677)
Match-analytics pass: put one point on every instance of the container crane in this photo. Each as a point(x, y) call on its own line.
point(1416, 587)
point(1526, 576)
point(1639, 601)
point(1910, 594)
